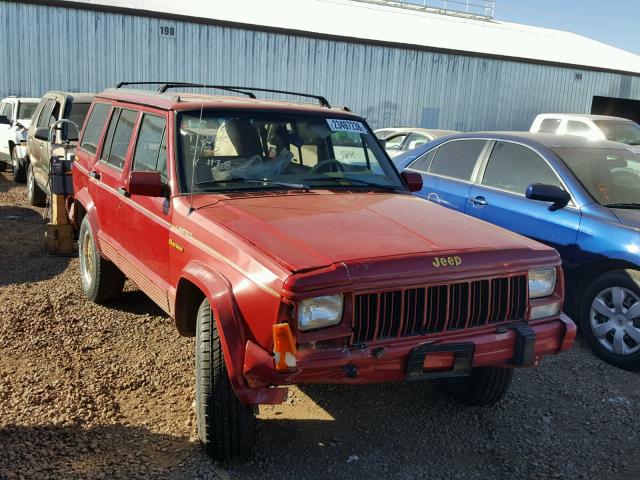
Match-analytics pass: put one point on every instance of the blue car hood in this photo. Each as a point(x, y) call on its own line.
point(627, 216)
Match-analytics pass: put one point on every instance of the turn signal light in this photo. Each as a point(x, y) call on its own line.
point(284, 347)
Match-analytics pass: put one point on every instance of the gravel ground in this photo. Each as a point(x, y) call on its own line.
point(106, 392)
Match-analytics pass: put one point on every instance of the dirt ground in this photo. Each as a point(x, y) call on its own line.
point(94, 392)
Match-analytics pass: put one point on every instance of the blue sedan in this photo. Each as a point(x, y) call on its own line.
point(581, 197)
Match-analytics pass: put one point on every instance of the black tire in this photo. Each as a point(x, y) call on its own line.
point(101, 280)
point(19, 169)
point(620, 321)
point(485, 386)
point(35, 195)
point(226, 426)
point(3, 166)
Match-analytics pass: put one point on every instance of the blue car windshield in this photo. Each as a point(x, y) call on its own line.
point(611, 176)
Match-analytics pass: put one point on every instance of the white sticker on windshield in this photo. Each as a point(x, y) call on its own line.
point(346, 126)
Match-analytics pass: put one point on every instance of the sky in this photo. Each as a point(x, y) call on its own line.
point(616, 22)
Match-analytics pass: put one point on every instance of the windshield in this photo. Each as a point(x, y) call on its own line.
point(255, 151)
point(25, 110)
point(611, 176)
point(620, 131)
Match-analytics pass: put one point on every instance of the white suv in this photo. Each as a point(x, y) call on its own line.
point(593, 127)
point(15, 119)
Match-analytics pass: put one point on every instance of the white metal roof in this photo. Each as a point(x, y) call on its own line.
point(380, 23)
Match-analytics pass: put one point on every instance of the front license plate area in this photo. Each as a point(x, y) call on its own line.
point(462, 361)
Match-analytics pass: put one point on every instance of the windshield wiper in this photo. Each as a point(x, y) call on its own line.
point(622, 205)
point(264, 181)
point(352, 180)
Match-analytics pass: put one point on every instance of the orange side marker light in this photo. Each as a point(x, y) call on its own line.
point(284, 347)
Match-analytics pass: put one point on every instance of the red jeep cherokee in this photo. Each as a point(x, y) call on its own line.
point(281, 236)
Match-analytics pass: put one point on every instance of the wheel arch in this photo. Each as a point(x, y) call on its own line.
point(579, 278)
point(197, 282)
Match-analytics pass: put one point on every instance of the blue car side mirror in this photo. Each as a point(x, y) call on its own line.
point(558, 197)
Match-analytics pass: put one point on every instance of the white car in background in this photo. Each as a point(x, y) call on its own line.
point(400, 140)
point(15, 119)
point(593, 127)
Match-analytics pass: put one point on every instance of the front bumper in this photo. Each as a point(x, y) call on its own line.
point(502, 346)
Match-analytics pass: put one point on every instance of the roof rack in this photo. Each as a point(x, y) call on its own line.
point(164, 86)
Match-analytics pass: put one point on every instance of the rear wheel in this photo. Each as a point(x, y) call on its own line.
point(485, 386)
point(35, 195)
point(226, 426)
point(19, 170)
point(101, 279)
point(610, 318)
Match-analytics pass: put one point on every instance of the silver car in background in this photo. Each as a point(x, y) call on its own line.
point(400, 140)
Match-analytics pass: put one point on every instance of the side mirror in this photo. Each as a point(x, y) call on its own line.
point(413, 181)
point(42, 133)
point(148, 184)
point(558, 197)
point(4, 120)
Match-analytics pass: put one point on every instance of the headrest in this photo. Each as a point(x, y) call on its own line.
point(244, 137)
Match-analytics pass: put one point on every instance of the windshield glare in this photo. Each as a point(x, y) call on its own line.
point(611, 176)
point(237, 151)
point(620, 131)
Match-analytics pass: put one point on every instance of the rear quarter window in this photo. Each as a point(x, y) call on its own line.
point(95, 127)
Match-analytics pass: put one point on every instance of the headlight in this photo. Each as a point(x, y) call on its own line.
point(542, 282)
point(320, 312)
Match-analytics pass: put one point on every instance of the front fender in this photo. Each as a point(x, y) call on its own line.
point(228, 319)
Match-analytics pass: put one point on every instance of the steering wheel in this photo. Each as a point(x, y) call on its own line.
point(318, 167)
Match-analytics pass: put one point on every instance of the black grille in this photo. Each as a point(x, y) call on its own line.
point(432, 309)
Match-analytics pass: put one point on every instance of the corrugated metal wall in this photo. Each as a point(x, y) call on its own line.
point(47, 48)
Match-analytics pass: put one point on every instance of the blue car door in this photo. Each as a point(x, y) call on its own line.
point(448, 171)
point(499, 198)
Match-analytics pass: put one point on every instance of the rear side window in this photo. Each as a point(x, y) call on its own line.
point(118, 138)
point(514, 167)
point(95, 126)
point(457, 159)
point(151, 147)
point(549, 125)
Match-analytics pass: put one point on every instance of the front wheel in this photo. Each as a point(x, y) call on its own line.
point(3, 166)
point(226, 426)
point(19, 169)
point(610, 318)
point(485, 386)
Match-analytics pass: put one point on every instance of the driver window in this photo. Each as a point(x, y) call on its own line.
point(45, 114)
point(513, 168)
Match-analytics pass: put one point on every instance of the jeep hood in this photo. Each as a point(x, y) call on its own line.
point(312, 230)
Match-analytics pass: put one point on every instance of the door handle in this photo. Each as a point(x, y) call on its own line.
point(95, 175)
point(123, 191)
point(479, 200)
